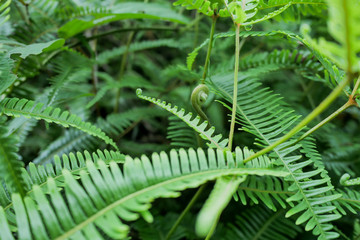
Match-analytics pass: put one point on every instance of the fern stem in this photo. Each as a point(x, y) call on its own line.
point(236, 72)
point(185, 211)
point(356, 86)
point(328, 119)
point(207, 60)
point(319, 109)
point(122, 69)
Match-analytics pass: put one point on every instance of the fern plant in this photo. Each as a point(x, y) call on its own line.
point(190, 119)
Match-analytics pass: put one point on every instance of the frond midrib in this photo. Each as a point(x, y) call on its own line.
point(218, 172)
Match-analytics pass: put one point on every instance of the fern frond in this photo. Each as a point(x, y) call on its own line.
point(216, 141)
point(282, 59)
point(79, 71)
point(180, 134)
point(205, 7)
point(274, 57)
point(342, 159)
point(23, 107)
point(73, 162)
point(262, 224)
point(120, 11)
point(71, 140)
point(7, 78)
point(37, 48)
point(106, 56)
point(76, 140)
point(267, 190)
point(10, 170)
point(350, 201)
point(294, 11)
point(264, 115)
point(4, 11)
point(20, 128)
point(108, 195)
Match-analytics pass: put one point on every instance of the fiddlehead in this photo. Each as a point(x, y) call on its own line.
point(346, 181)
point(198, 98)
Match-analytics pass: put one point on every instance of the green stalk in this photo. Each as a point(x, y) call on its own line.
point(356, 86)
point(207, 60)
point(122, 69)
point(326, 120)
point(185, 211)
point(236, 72)
point(319, 109)
point(200, 93)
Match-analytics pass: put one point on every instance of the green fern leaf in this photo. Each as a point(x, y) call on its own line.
point(10, 170)
point(128, 10)
point(216, 141)
point(350, 201)
point(294, 11)
point(205, 7)
point(74, 163)
point(267, 190)
point(4, 11)
point(23, 107)
point(7, 78)
point(264, 115)
point(107, 56)
point(107, 193)
point(37, 48)
point(180, 134)
point(262, 224)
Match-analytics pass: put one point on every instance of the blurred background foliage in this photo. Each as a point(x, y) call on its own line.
point(95, 56)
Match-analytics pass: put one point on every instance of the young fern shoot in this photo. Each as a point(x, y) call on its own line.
point(200, 93)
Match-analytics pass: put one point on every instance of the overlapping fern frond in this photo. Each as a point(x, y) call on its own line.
point(264, 115)
point(349, 201)
point(215, 140)
point(294, 10)
point(11, 164)
point(261, 223)
point(4, 11)
point(7, 78)
point(180, 134)
point(23, 107)
point(205, 7)
point(39, 174)
point(107, 195)
point(270, 191)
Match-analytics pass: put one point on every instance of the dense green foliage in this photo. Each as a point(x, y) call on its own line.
point(135, 120)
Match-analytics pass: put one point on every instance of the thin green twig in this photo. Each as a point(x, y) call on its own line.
point(326, 120)
point(122, 69)
point(185, 211)
point(319, 109)
point(208, 54)
point(236, 72)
